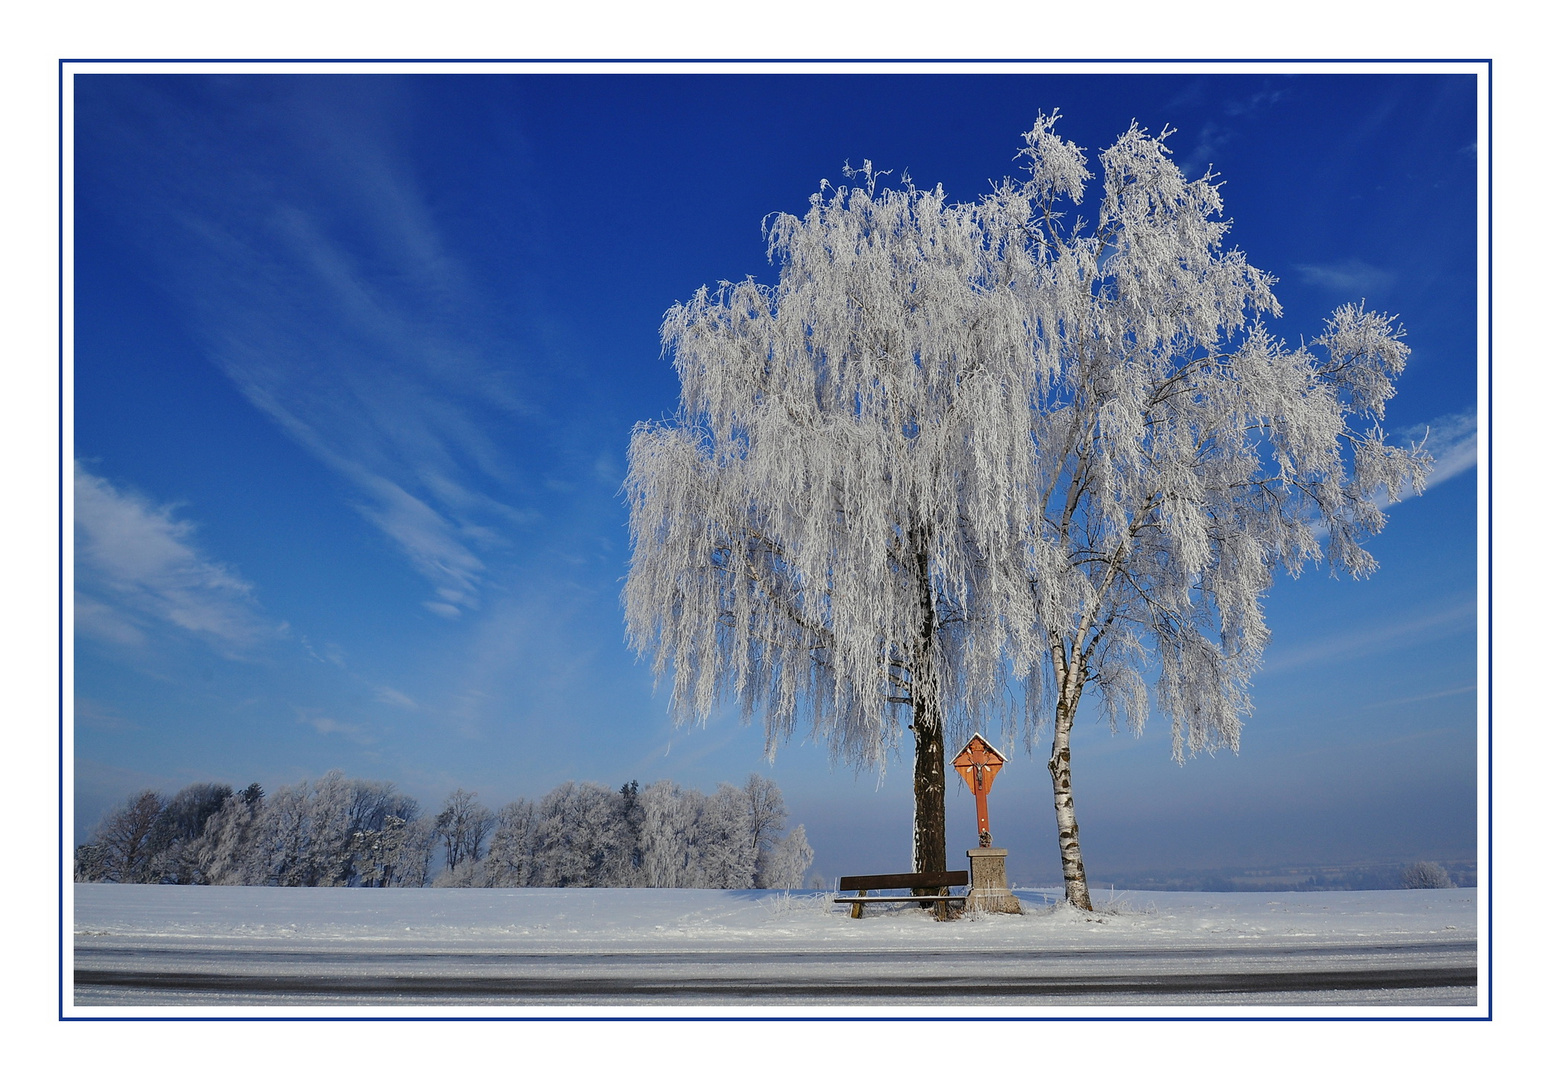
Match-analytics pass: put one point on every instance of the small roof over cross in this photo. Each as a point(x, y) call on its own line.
point(978, 763)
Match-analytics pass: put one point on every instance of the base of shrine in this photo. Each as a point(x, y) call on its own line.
point(988, 882)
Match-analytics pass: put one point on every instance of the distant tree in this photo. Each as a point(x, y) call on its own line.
point(463, 824)
point(280, 849)
point(724, 841)
point(380, 855)
point(633, 815)
point(123, 839)
point(184, 815)
point(374, 802)
point(973, 459)
point(1425, 875)
point(407, 847)
point(172, 855)
point(514, 859)
point(466, 875)
point(222, 853)
point(379, 822)
point(767, 820)
point(335, 840)
point(90, 862)
point(582, 837)
point(323, 833)
point(669, 858)
point(788, 861)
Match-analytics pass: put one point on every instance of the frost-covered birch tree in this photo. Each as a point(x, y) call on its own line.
point(1182, 452)
point(976, 458)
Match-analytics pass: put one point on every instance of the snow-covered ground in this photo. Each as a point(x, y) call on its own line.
point(618, 951)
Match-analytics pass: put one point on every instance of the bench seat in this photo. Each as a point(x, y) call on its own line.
point(938, 881)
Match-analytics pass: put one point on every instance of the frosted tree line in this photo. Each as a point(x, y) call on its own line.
point(361, 833)
point(970, 462)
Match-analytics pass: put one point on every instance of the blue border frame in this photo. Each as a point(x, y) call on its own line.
point(59, 464)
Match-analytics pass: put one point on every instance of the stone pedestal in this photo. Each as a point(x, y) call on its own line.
point(988, 882)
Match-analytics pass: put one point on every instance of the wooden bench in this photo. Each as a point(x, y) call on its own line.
point(938, 881)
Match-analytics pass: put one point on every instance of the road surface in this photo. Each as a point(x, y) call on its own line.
point(1398, 972)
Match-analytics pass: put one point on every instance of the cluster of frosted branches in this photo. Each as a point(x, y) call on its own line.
point(960, 454)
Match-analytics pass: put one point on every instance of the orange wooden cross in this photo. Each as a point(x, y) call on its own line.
point(978, 763)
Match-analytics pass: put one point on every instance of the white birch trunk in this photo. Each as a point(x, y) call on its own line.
point(1066, 812)
point(1069, 680)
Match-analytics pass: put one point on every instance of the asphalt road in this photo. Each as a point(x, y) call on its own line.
point(1418, 972)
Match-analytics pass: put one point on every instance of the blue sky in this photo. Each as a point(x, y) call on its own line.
point(357, 359)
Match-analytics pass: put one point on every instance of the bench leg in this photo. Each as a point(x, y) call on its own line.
point(943, 912)
point(856, 909)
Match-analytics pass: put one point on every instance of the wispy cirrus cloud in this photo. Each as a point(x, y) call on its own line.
point(1257, 102)
point(327, 725)
point(389, 696)
point(138, 571)
point(1415, 626)
point(1209, 144)
point(1414, 699)
point(320, 283)
point(1349, 277)
point(1214, 136)
point(376, 396)
point(1451, 440)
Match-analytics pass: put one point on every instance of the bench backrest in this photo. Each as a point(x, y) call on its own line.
point(933, 880)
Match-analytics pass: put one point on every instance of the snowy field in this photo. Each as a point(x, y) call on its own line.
point(146, 949)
